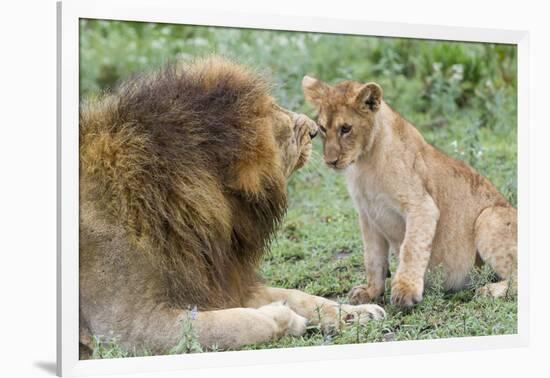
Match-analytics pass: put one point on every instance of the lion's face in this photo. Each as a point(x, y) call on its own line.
point(346, 118)
point(293, 134)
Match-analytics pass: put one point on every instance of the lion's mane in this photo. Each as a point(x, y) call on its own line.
point(184, 160)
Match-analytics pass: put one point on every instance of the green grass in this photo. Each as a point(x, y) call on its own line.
point(462, 97)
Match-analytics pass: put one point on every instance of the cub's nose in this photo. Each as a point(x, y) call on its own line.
point(331, 162)
point(313, 133)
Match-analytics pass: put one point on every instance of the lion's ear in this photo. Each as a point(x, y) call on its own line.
point(314, 90)
point(369, 97)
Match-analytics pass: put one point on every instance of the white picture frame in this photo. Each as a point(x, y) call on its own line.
point(171, 11)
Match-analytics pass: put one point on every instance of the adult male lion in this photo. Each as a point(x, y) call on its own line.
point(182, 183)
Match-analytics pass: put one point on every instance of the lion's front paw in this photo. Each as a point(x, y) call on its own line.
point(297, 325)
point(363, 294)
point(362, 313)
point(405, 294)
point(287, 321)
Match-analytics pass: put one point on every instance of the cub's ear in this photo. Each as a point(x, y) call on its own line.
point(314, 90)
point(369, 97)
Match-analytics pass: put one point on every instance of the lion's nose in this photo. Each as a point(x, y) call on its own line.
point(331, 162)
point(313, 134)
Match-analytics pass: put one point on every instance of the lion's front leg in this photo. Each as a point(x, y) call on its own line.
point(317, 310)
point(161, 330)
point(235, 327)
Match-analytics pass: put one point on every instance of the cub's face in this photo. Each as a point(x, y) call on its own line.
point(293, 134)
point(345, 119)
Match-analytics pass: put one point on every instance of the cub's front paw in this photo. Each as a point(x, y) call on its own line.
point(362, 313)
point(405, 294)
point(363, 294)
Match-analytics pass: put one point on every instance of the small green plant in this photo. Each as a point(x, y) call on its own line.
point(189, 341)
point(107, 348)
point(444, 89)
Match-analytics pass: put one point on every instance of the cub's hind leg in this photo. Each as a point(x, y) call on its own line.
point(496, 243)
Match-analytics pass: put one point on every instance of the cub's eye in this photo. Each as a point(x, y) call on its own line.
point(345, 128)
point(322, 128)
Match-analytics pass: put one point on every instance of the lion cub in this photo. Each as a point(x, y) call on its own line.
point(412, 198)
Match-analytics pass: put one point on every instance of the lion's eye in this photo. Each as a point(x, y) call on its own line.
point(345, 128)
point(322, 128)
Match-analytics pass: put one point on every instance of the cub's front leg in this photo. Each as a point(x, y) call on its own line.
point(375, 250)
point(422, 216)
